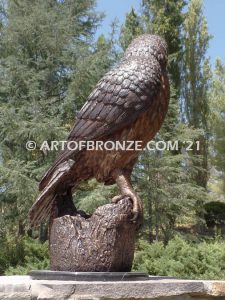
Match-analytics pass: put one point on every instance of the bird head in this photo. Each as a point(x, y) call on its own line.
point(146, 46)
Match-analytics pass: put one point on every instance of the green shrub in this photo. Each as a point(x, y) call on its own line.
point(204, 260)
point(20, 255)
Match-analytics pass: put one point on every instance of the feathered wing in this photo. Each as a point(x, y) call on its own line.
point(117, 101)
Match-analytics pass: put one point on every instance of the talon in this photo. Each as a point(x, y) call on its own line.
point(126, 189)
point(117, 198)
point(135, 216)
point(137, 205)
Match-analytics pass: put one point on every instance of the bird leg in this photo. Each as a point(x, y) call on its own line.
point(126, 189)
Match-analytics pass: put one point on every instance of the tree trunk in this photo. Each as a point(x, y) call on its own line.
point(43, 233)
point(21, 229)
point(103, 242)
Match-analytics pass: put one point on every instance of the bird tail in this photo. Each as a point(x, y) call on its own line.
point(50, 173)
point(42, 207)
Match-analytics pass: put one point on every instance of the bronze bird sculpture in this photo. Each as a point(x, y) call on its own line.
point(128, 104)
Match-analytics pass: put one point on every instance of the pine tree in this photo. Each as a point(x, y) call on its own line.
point(40, 45)
point(131, 28)
point(86, 70)
point(164, 176)
point(152, 176)
point(165, 18)
point(217, 123)
point(196, 75)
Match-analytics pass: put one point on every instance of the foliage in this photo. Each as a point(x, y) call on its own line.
point(196, 72)
point(168, 192)
point(164, 177)
point(92, 195)
point(48, 66)
point(19, 255)
point(166, 17)
point(183, 259)
point(217, 120)
point(196, 79)
point(130, 29)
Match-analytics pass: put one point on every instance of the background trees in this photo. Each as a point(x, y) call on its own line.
point(216, 96)
point(50, 59)
point(196, 77)
point(164, 177)
point(47, 52)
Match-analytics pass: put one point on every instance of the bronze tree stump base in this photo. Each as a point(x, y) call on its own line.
point(104, 242)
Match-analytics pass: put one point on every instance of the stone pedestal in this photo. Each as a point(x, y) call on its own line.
point(23, 287)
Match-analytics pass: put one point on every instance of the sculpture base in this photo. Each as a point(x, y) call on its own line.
point(88, 276)
point(104, 242)
point(26, 288)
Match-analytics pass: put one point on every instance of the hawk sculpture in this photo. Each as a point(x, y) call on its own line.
point(128, 104)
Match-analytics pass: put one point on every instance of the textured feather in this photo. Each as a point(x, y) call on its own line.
point(116, 109)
